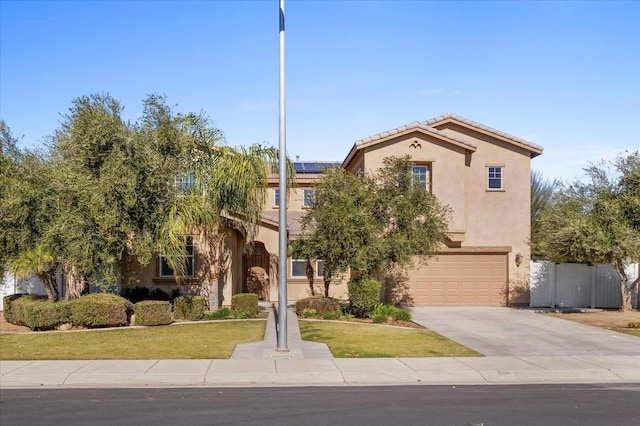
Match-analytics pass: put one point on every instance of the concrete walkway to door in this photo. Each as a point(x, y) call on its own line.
point(520, 332)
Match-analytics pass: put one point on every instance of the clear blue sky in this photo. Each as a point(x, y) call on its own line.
point(564, 75)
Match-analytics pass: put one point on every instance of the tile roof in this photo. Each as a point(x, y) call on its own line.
point(449, 116)
point(413, 126)
point(294, 225)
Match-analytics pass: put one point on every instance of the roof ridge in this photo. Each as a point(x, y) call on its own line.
point(409, 126)
point(472, 123)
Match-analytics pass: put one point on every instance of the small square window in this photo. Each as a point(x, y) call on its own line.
point(307, 200)
point(185, 181)
point(494, 177)
point(298, 268)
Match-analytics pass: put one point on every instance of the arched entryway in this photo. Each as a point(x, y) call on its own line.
point(259, 257)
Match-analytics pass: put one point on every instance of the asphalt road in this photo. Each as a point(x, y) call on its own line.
point(399, 405)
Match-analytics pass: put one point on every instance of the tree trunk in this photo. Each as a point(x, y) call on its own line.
point(75, 283)
point(48, 278)
point(625, 293)
point(308, 270)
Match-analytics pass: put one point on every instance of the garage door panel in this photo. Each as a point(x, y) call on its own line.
point(461, 279)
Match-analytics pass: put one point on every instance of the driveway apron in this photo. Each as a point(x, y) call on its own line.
point(517, 332)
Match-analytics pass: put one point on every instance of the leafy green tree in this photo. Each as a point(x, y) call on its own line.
point(597, 221)
point(340, 228)
point(27, 201)
point(542, 191)
point(372, 224)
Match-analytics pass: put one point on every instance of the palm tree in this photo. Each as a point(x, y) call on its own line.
point(41, 262)
point(229, 189)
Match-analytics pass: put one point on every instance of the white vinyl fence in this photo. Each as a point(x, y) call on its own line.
point(32, 285)
point(577, 285)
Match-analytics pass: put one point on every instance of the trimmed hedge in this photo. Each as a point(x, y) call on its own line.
point(35, 311)
point(364, 295)
point(245, 305)
point(321, 305)
point(153, 312)
point(100, 310)
point(14, 306)
point(46, 315)
point(188, 308)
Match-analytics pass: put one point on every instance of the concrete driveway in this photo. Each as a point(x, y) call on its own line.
point(516, 332)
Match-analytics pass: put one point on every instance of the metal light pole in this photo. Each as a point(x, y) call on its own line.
point(282, 187)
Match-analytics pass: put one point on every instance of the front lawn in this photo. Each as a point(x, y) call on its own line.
point(354, 340)
point(189, 341)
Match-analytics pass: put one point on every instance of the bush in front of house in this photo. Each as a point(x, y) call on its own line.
point(152, 312)
point(318, 305)
point(220, 314)
point(364, 295)
point(14, 306)
point(382, 313)
point(35, 312)
point(100, 310)
point(188, 308)
point(244, 305)
point(45, 315)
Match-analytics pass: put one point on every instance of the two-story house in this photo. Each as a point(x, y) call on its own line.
point(483, 174)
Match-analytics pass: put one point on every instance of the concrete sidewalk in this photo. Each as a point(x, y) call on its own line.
point(311, 364)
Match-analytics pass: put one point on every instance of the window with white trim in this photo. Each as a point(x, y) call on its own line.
point(494, 177)
point(298, 268)
point(307, 198)
point(420, 173)
point(167, 271)
point(185, 181)
point(319, 268)
point(276, 198)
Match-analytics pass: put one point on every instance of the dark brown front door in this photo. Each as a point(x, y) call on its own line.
point(259, 257)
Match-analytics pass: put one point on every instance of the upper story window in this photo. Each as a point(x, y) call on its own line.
point(307, 199)
point(276, 198)
point(167, 271)
point(421, 176)
point(494, 177)
point(185, 181)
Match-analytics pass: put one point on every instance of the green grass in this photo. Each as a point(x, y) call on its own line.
point(631, 331)
point(188, 341)
point(353, 340)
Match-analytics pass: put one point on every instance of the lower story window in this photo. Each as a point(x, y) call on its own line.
point(298, 268)
point(167, 271)
point(319, 268)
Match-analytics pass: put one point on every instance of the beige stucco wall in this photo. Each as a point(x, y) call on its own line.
point(481, 217)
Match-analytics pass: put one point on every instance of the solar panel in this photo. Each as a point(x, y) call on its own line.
point(313, 167)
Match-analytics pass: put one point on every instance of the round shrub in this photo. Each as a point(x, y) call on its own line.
point(152, 312)
point(364, 295)
point(100, 310)
point(188, 308)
